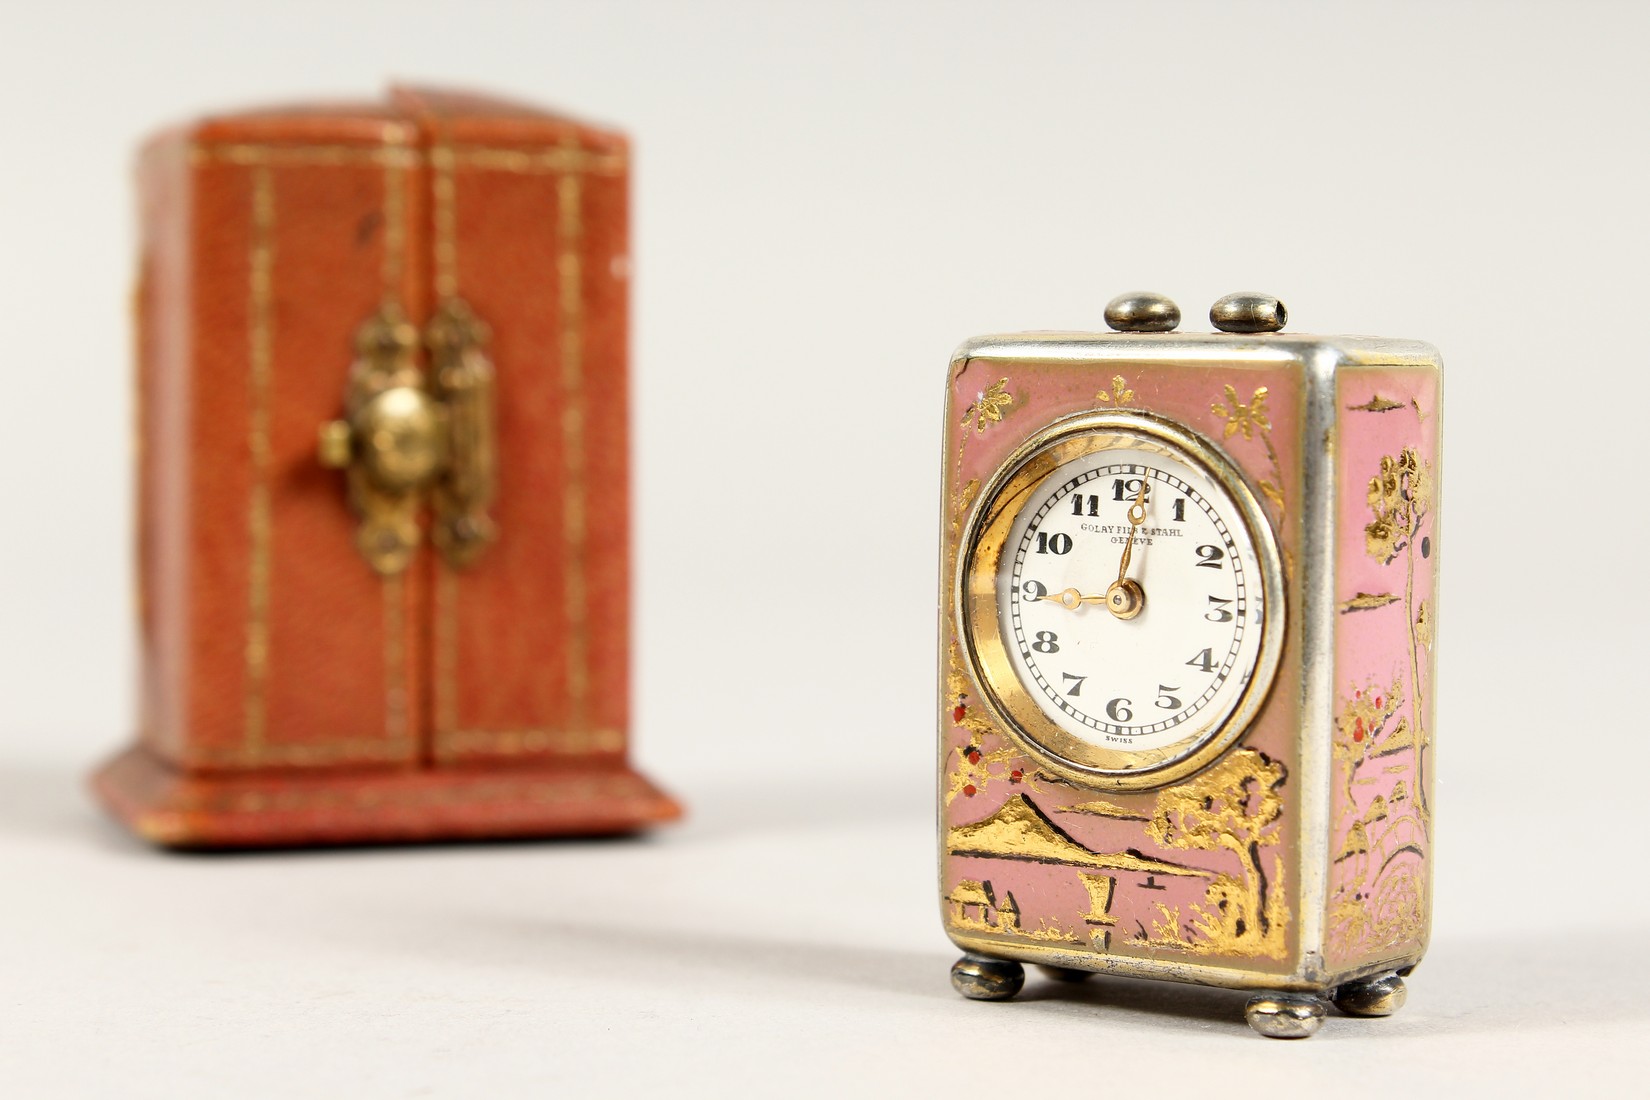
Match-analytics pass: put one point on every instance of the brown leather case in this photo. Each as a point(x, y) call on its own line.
point(292, 692)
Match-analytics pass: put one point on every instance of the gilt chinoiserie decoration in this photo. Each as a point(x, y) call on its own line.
point(1188, 608)
point(383, 479)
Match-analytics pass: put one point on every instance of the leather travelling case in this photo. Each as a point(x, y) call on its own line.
point(383, 489)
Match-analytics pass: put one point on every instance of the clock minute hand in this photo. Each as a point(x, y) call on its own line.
point(1137, 516)
point(1125, 598)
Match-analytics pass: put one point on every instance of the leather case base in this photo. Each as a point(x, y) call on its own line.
point(223, 811)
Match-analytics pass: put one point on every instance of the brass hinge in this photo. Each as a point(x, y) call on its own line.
point(406, 438)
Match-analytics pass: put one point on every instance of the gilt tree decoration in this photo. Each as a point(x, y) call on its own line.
point(1232, 807)
point(1377, 880)
point(1400, 498)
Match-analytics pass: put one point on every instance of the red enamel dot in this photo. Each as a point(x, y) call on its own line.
point(1377, 702)
point(958, 712)
point(1357, 735)
point(973, 756)
point(969, 790)
point(1014, 776)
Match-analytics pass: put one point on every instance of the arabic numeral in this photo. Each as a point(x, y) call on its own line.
point(1180, 510)
point(1034, 591)
point(1128, 489)
point(1089, 500)
point(1059, 543)
point(1118, 710)
point(1047, 642)
point(1076, 688)
point(1211, 557)
point(1217, 612)
point(1166, 700)
point(1203, 662)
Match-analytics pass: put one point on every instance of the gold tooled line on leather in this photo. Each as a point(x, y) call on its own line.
point(444, 248)
point(549, 160)
point(256, 155)
point(395, 230)
point(444, 191)
point(536, 741)
point(446, 655)
point(613, 790)
point(261, 350)
point(375, 749)
point(575, 527)
point(395, 656)
point(394, 586)
point(557, 160)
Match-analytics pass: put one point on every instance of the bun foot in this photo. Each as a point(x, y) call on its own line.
point(1372, 996)
point(1285, 1015)
point(981, 978)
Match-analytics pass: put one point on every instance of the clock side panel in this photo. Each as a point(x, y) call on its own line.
point(1386, 570)
point(1197, 880)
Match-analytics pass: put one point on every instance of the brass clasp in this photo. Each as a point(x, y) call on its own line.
point(403, 435)
point(462, 378)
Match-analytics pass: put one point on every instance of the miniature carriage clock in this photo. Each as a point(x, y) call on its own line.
point(1187, 617)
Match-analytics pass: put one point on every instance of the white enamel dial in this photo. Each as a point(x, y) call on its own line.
point(1176, 667)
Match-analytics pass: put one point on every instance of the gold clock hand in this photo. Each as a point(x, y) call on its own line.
point(1125, 598)
point(1071, 599)
point(1137, 516)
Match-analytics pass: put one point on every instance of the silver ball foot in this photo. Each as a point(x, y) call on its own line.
point(1372, 996)
point(981, 978)
point(1285, 1015)
point(1064, 973)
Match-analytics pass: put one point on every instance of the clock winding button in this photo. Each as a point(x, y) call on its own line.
point(1247, 312)
point(1142, 311)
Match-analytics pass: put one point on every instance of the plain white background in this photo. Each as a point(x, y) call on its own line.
point(829, 197)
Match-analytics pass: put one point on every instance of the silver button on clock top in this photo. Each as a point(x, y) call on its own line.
point(1142, 311)
point(1247, 311)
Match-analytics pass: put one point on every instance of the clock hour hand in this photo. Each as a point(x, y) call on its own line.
point(1125, 598)
point(1071, 599)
